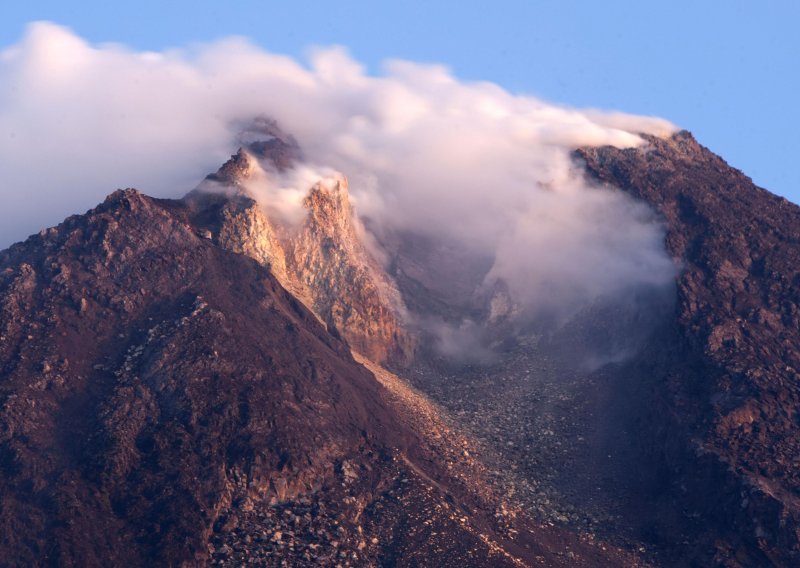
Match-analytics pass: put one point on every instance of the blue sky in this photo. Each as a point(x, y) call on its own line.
point(727, 71)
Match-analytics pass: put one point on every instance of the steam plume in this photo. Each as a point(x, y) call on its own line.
point(423, 151)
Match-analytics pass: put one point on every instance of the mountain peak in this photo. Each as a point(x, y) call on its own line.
point(320, 258)
point(265, 140)
point(262, 143)
point(328, 204)
point(129, 197)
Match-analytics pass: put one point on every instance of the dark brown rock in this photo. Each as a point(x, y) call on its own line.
point(724, 398)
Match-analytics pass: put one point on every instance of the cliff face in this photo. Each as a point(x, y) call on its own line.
point(727, 383)
point(348, 289)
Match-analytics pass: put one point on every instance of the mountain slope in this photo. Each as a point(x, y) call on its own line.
point(724, 406)
point(165, 401)
point(145, 372)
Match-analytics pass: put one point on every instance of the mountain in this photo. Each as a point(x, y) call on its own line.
point(165, 401)
point(151, 378)
point(207, 381)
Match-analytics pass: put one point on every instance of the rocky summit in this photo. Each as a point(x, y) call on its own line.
point(204, 381)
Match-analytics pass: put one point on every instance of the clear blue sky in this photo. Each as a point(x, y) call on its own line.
point(727, 70)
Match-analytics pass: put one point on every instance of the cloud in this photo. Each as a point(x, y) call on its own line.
point(423, 151)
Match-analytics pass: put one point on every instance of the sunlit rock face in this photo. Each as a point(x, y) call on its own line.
point(347, 287)
point(245, 229)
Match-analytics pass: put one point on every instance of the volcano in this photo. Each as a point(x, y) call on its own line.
point(203, 381)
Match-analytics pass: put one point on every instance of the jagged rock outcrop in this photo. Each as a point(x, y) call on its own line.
point(322, 260)
point(723, 405)
point(237, 223)
point(347, 287)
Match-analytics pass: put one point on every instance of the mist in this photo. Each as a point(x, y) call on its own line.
point(423, 151)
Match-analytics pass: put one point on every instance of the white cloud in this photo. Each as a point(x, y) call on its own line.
point(422, 150)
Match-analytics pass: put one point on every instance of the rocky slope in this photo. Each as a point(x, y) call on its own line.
point(721, 390)
point(148, 379)
point(164, 401)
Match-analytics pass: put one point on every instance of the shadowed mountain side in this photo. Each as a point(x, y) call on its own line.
point(722, 395)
